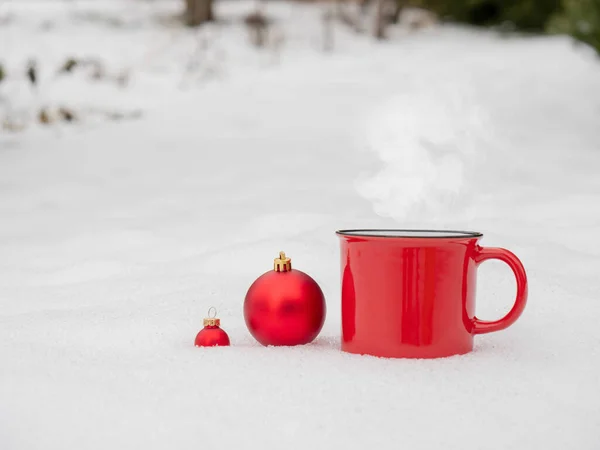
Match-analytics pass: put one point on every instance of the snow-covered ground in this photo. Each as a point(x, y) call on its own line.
point(116, 236)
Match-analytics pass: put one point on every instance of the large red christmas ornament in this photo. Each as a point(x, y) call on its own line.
point(212, 335)
point(284, 306)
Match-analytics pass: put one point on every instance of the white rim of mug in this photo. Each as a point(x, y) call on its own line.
point(408, 233)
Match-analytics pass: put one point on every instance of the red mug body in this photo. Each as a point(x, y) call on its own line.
point(411, 293)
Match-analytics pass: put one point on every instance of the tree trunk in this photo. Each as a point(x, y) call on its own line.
point(398, 11)
point(198, 11)
point(380, 20)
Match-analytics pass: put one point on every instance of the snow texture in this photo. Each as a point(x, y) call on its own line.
point(116, 236)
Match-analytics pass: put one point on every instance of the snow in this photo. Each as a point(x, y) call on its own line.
point(117, 236)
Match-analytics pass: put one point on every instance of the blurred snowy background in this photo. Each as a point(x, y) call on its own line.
point(153, 163)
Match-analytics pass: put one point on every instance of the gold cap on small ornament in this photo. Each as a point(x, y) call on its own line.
point(283, 263)
point(212, 321)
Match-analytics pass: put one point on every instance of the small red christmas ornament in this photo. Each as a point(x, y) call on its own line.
point(212, 335)
point(284, 306)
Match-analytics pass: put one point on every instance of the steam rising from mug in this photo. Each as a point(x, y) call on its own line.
point(427, 139)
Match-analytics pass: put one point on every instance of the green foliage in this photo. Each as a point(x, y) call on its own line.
point(580, 19)
point(527, 15)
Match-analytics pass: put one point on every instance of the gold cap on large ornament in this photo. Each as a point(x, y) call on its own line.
point(212, 321)
point(283, 263)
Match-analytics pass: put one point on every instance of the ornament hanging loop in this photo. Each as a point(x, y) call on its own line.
point(211, 320)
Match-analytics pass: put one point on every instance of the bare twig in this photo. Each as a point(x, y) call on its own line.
point(327, 20)
point(258, 25)
point(44, 116)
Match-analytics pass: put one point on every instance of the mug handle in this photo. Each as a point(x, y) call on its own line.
point(485, 326)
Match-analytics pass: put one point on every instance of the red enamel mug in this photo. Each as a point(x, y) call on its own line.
point(411, 293)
